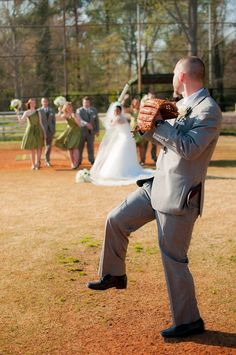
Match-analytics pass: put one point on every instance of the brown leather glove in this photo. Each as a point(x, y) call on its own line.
point(149, 112)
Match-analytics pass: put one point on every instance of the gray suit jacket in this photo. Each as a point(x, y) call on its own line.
point(89, 116)
point(48, 121)
point(186, 152)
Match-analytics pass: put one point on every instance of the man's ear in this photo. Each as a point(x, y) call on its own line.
point(181, 77)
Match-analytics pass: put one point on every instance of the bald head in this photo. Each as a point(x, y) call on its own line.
point(193, 66)
point(189, 75)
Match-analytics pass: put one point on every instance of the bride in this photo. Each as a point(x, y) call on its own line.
point(116, 162)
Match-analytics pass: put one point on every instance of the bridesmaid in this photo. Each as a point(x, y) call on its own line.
point(33, 138)
point(134, 110)
point(70, 138)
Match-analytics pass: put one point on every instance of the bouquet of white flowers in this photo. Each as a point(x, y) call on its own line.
point(59, 101)
point(83, 176)
point(15, 104)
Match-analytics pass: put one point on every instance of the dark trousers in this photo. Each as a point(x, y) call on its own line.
point(144, 151)
point(86, 137)
point(48, 147)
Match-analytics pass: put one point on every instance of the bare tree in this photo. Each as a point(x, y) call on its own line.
point(188, 20)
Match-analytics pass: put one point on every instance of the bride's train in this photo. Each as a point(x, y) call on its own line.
point(116, 163)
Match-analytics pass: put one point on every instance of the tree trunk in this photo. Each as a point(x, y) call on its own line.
point(77, 44)
point(192, 27)
point(217, 57)
point(15, 59)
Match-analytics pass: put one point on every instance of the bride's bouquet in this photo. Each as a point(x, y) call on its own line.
point(83, 176)
point(15, 104)
point(59, 101)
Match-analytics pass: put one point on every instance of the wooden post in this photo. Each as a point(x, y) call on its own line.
point(210, 44)
point(65, 51)
point(139, 53)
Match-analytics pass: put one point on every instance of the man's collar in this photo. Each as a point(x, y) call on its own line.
point(189, 99)
point(194, 99)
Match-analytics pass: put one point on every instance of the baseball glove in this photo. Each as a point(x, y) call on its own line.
point(151, 109)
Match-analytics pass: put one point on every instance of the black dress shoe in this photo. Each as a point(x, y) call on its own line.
point(109, 281)
point(184, 330)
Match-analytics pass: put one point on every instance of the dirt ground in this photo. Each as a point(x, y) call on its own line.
point(51, 234)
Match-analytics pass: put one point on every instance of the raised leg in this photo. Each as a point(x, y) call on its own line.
point(131, 214)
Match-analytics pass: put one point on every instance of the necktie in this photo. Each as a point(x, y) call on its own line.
point(47, 112)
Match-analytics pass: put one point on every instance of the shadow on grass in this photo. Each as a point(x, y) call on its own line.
point(64, 169)
point(223, 163)
point(210, 337)
point(220, 177)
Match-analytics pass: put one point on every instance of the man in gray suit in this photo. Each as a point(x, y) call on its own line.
point(174, 198)
point(49, 126)
point(89, 116)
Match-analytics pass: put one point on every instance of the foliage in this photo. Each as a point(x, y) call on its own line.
point(97, 48)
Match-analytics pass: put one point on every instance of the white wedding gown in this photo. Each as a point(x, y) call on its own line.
point(116, 163)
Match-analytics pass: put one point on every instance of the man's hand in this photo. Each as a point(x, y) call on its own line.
point(89, 126)
point(154, 110)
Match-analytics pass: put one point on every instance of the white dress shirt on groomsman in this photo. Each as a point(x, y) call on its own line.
point(47, 115)
point(89, 129)
point(174, 198)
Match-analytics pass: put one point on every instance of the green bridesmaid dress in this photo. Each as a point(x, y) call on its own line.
point(70, 138)
point(133, 123)
point(33, 137)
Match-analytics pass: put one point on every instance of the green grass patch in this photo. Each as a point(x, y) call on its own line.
point(228, 132)
point(138, 248)
point(86, 239)
point(223, 163)
point(151, 250)
point(68, 260)
point(80, 272)
point(93, 244)
point(12, 134)
point(89, 241)
point(62, 299)
point(232, 258)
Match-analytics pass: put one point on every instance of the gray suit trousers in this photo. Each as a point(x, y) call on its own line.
point(86, 136)
point(48, 147)
point(174, 235)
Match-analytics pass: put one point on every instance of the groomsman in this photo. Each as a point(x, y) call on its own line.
point(49, 124)
point(89, 129)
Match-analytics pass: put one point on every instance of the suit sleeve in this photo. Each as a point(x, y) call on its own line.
point(96, 123)
point(189, 144)
point(54, 121)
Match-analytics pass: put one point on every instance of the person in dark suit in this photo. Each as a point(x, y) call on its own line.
point(48, 120)
point(89, 129)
